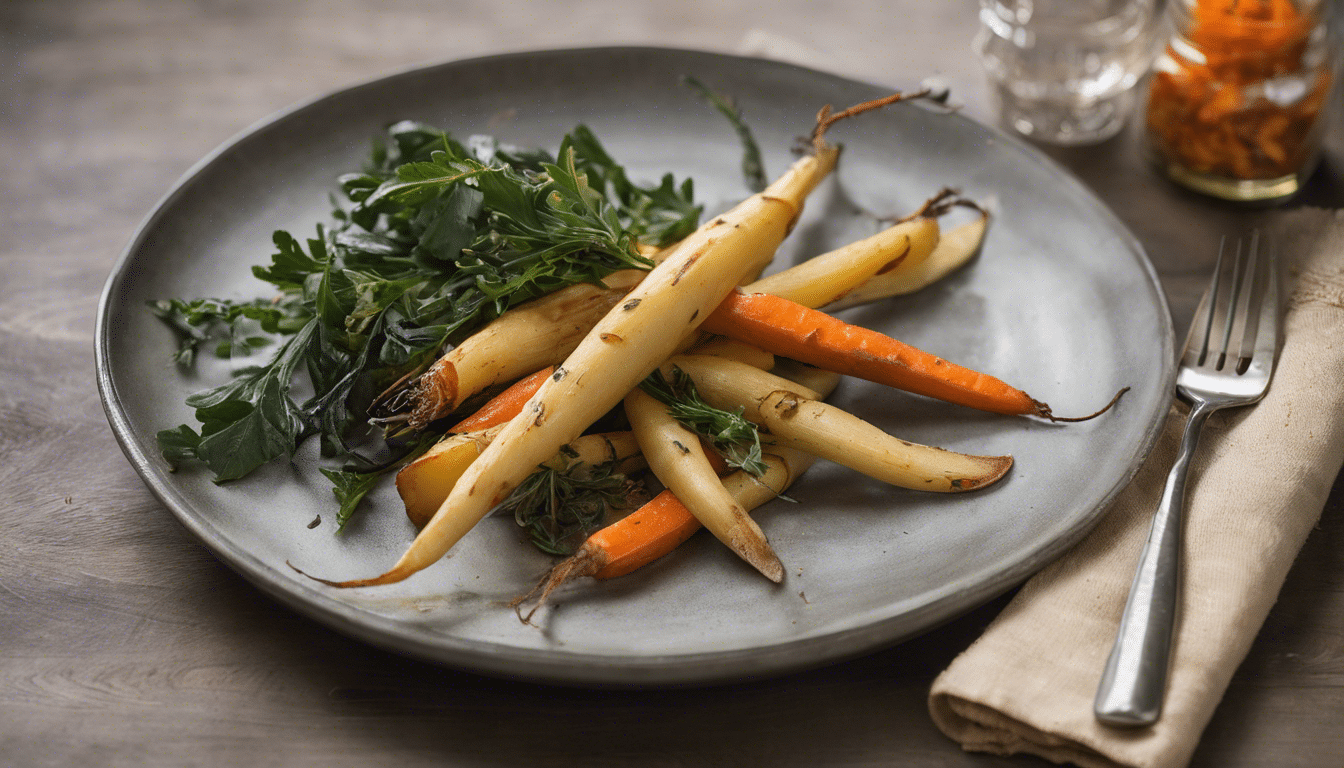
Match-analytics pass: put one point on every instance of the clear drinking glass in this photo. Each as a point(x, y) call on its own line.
point(1064, 71)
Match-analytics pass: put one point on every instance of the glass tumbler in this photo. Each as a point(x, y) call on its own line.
point(1238, 100)
point(1064, 71)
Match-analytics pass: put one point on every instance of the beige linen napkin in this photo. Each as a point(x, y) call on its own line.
point(1257, 486)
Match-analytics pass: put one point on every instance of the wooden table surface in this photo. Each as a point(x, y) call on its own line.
point(124, 642)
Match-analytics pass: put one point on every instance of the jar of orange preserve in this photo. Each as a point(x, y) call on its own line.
point(1238, 99)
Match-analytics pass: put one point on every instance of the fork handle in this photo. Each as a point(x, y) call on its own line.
point(1134, 682)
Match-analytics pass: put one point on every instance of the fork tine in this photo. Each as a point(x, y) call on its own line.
point(1197, 340)
point(1250, 294)
point(1222, 294)
point(1267, 337)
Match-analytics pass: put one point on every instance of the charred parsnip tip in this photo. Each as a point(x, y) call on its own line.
point(624, 347)
point(677, 459)
point(826, 278)
point(954, 248)
point(799, 420)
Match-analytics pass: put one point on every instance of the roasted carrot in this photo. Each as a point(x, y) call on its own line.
point(791, 330)
point(659, 526)
point(505, 405)
point(680, 462)
point(662, 524)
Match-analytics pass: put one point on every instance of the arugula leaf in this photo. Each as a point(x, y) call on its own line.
point(290, 264)
point(228, 324)
point(733, 436)
point(350, 488)
point(178, 445)
point(250, 420)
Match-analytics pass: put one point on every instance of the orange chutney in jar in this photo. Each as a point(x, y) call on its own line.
point(1240, 91)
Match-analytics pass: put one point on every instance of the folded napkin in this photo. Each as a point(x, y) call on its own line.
point(1257, 485)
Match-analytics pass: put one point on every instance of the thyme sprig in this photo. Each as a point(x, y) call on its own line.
point(729, 432)
point(560, 507)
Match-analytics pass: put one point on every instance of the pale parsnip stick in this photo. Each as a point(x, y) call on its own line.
point(678, 460)
point(954, 249)
point(826, 278)
point(527, 338)
point(799, 420)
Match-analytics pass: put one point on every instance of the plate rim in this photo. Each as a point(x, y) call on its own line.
point(556, 666)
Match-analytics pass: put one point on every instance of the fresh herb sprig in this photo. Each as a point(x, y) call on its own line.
point(753, 167)
point(431, 239)
point(729, 432)
point(560, 507)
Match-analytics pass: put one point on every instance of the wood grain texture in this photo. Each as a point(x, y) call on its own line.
point(123, 642)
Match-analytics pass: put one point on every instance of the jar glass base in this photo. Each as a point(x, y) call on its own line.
point(1237, 190)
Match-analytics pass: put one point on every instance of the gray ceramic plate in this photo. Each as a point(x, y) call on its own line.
point(1062, 302)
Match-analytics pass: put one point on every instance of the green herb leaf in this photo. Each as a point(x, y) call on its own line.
point(350, 488)
point(732, 435)
point(560, 508)
point(226, 324)
point(178, 445)
point(251, 420)
point(753, 168)
point(290, 264)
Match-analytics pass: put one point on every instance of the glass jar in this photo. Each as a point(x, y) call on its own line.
point(1238, 99)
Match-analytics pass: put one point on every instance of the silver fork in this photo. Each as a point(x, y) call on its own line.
point(1228, 359)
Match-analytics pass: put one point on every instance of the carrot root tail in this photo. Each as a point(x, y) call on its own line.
point(1044, 412)
point(584, 562)
point(826, 118)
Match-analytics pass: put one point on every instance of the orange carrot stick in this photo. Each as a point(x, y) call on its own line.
point(657, 528)
point(505, 405)
point(641, 537)
point(791, 330)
